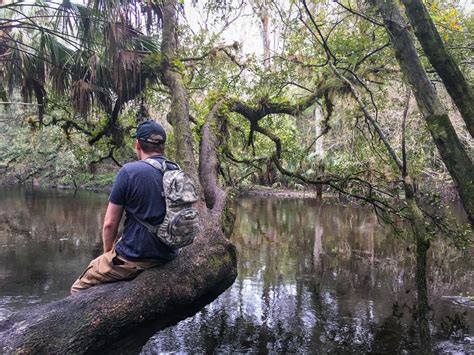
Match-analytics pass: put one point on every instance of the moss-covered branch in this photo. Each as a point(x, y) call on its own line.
point(255, 112)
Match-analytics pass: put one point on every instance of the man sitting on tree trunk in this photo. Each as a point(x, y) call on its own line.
point(138, 189)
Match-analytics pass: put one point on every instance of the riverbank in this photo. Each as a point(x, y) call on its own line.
point(104, 182)
point(98, 183)
point(263, 191)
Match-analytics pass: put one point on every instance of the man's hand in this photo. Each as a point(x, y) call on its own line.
point(111, 224)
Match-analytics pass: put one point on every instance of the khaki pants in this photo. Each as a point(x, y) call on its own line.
point(109, 267)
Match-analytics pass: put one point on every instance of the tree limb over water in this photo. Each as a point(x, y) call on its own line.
point(90, 320)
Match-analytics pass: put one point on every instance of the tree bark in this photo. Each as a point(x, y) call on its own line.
point(452, 152)
point(88, 321)
point(171, 76)
point(208, 161)
point(456, 84)
point(422, 244)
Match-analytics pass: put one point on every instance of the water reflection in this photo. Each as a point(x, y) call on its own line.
point(46, 238)
point(313, 277)
point(318, 278)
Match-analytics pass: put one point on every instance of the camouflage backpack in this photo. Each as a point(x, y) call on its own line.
point(181, 223)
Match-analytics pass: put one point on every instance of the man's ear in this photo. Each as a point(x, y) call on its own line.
point(137, 145)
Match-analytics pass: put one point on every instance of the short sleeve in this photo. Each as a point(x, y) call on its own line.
point(118, 195)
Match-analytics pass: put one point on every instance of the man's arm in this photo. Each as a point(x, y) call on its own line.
point(111, 225)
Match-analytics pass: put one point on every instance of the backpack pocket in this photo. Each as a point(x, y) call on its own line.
point(183, 228)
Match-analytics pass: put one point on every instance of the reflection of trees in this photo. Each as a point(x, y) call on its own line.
point(312, 276)
point(318, 247)
point(55, 215)
point(341, 262)
point(345, 240)
point(46, 238)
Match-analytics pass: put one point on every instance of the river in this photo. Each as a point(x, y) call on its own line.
point(313, 277)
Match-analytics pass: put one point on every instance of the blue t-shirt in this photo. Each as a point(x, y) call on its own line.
point(139, 188)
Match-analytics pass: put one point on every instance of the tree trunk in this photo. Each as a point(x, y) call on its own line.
point(90, 320)
point(171, 76)
point(422, 245)
point(456, 84)
point(264, 19)
point(449, 146)
point(209, 163)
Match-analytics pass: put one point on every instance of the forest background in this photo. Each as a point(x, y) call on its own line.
point(337, 97)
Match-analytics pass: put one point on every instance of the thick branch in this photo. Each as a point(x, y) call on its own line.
point(255, 113)
point(208, 161)
point(91, 320)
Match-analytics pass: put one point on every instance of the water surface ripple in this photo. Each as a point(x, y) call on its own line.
point(313, 277)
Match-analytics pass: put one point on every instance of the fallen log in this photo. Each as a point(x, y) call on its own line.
point(90, 320)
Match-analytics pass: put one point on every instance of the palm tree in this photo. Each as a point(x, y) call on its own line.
point(95, 56)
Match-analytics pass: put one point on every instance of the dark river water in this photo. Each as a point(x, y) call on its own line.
point(313, 277)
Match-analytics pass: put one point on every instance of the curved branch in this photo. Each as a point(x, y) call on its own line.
point(99, 317)
point(110, 123)
point(273, 137)
point(265, 107)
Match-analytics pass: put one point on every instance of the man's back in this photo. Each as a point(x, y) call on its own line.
point(139, 188)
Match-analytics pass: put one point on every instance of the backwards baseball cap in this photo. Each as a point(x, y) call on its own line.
point(151, 131)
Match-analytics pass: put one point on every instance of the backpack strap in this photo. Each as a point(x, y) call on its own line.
point(156, 164)
point(151, 228)
point(160, 166)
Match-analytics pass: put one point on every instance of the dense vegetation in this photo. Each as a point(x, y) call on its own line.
point(343, 99)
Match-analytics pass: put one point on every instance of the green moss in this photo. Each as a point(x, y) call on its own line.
point(153, 60)
point(437, 126)
point(281, 101)
point(179, 65)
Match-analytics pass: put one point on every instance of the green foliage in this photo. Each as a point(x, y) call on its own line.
point(113, 63)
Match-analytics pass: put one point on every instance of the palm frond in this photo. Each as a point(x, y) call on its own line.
point(82, 96)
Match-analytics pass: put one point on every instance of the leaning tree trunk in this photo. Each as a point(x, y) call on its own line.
point(452, 152)
point(455, 82)
point(92, 319)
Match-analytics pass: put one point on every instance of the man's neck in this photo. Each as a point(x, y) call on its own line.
point(150, 155)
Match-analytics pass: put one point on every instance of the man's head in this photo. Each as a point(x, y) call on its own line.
point(151, 138)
